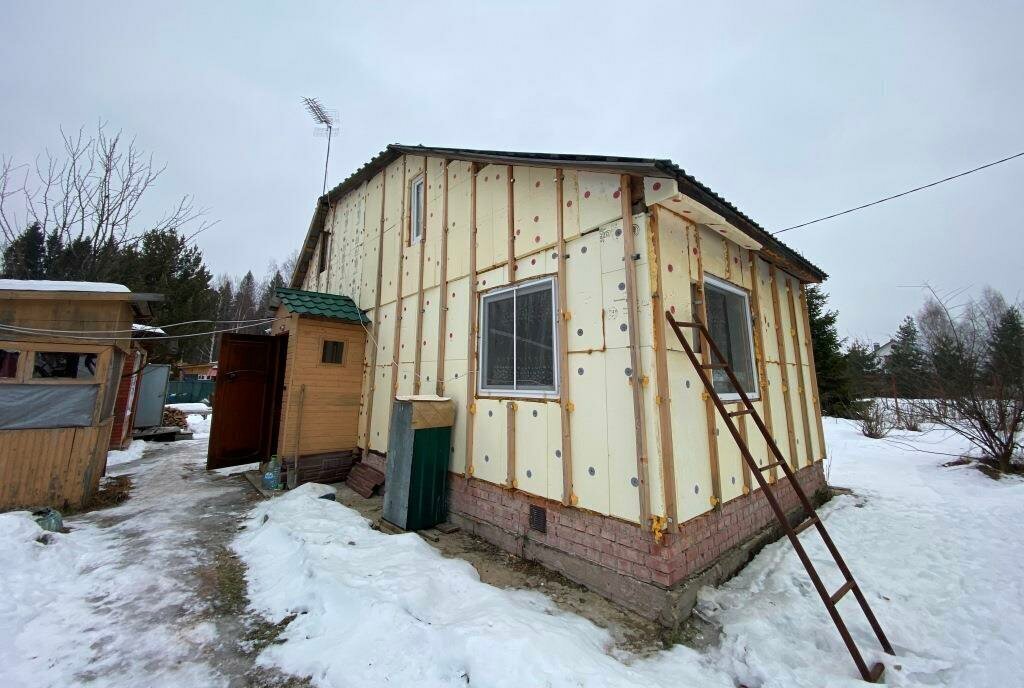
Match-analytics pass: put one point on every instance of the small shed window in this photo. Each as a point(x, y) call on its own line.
point(9, 363)
point(728, 311)
point(65, 364)
point(517, 348)
point(416, 202)
point(333, 352)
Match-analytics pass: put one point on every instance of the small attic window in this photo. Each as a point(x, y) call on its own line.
point(416, 202)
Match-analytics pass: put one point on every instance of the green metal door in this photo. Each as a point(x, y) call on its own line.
point(428, 499)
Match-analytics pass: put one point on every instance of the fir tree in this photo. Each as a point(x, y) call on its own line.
point(906, 367)
point(25, 257)
point(1005, 355)
point(864, 371)
point(833, 378)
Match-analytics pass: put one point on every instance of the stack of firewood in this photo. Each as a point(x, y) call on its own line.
point(173, 416)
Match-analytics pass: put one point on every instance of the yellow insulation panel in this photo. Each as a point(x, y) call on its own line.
point(584, 293)
point(490, 447)
point(407, 339)
point(535, 208)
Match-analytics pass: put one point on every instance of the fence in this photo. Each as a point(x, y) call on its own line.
point(190, 391)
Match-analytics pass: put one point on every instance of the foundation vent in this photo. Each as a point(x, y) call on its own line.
point(538, 518)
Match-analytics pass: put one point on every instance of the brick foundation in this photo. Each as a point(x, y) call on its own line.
point(332, 467)
point(620, 560)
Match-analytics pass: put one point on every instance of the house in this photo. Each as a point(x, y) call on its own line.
point(882, 352)
point(197, 371)
point(583, 438)
point(63, 348)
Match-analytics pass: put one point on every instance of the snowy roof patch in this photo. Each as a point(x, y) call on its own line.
point(59, 285)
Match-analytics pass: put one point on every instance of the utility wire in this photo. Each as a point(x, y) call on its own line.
point(32, 331)
point(904, 193)
point(160, 327)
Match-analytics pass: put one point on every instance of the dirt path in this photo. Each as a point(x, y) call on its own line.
point(146, 593)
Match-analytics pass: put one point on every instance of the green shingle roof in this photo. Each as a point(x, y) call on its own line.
point(323, 305)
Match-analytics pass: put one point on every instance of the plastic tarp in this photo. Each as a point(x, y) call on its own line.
point(25, 407)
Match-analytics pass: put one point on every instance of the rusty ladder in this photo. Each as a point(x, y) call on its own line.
point(831, 600)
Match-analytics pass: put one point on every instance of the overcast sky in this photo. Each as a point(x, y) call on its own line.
point(788, 110)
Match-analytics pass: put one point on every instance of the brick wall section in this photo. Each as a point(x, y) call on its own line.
point(120, 436)
point(625, 548)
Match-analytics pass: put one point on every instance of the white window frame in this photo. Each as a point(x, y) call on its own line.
point(482, 389)
point(417, 223)
point(732, 288)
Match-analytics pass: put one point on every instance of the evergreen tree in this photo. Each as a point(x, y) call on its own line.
point(1005, 354)
point(906, 368)
point(224, 312)
point(833, 377)
point(165, 263)
point(269, 291)
point(246, 299)
point(864, 370)
point(25, 257)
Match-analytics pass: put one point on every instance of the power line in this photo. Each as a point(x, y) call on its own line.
point(904, 193)
point(33, 331)
point(255, 321)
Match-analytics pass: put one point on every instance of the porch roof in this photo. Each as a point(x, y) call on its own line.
point(322, 305)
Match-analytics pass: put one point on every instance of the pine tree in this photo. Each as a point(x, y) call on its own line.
point(1005, 355)
point(833, 377)
point(865, 373)
point(906, 367)
point(25, 257)
point(246, 300)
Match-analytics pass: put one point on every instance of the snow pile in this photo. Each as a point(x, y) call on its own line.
point(58, 285)
point(132, 453)
point(379, 609)
point(193, 407)
point(199, 424)
point(932, 547)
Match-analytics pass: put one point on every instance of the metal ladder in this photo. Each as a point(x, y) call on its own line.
point(718, 362)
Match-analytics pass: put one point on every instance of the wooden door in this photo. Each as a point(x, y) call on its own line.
point(245, 400)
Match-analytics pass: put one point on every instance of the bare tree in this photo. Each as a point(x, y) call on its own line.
point(88, 196)
point(974, 378)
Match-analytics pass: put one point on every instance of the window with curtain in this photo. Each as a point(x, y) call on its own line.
point(729, 324)
point(517, 342)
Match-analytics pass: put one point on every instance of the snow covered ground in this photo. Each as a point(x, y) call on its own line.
point(938, 551)
point(115, 602)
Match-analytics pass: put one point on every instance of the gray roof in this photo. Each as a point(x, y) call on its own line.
point(644, 167)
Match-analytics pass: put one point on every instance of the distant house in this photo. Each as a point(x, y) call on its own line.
point(532, 289)
point(198, 371)
point(63, 349)
point(882, 352)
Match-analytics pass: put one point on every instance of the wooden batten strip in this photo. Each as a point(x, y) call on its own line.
point(814, 372)
point(419, 292)
point(510, 444)
point(663, 400)
point(471, 345)
point(784, 368)
point(442, 304)
point(741, 424)
point(376, 313)
point(563, 343)
point(636, 379)
point(760, 357)
point(705, 358)
point(801, 387)
point(402, 228)
point(511, 238)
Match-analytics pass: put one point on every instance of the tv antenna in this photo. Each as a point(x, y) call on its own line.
point(326, 119)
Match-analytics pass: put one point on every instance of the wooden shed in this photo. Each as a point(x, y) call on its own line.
point(63, 350)
point(294, 393)
point(533, 289)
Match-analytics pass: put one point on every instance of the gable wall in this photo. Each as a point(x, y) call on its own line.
point(426, 310)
